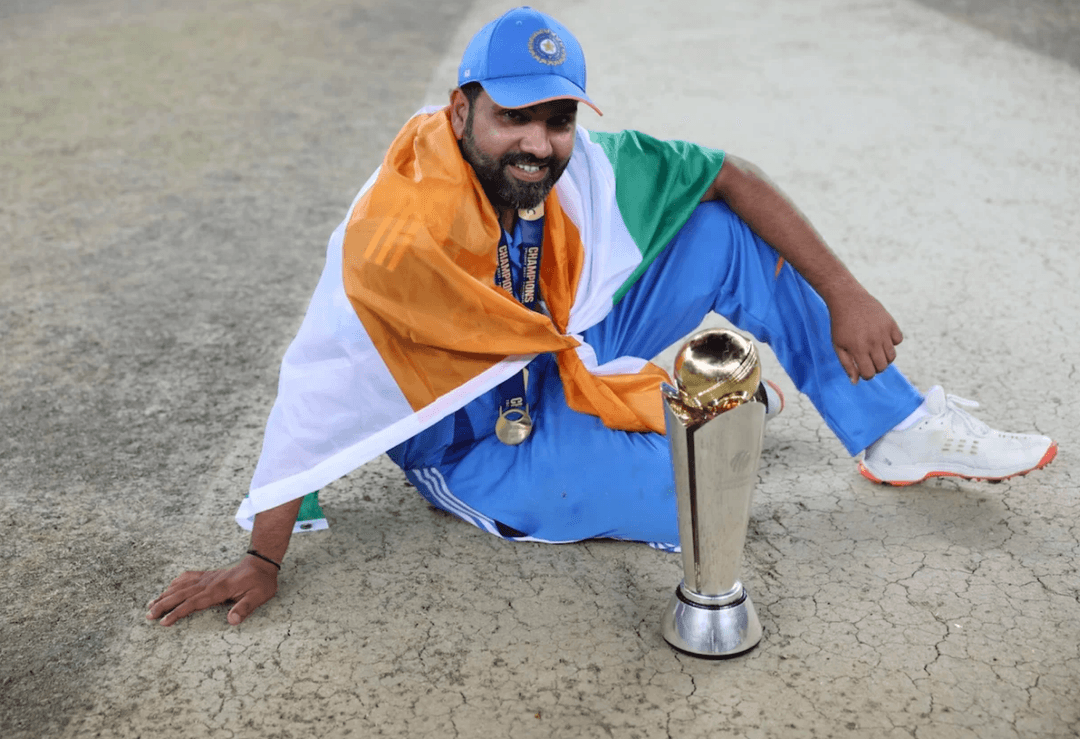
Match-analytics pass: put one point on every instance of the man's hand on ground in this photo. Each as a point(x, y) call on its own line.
point(864, 335)
point(249, 583)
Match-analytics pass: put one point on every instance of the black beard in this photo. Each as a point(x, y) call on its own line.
point(502, 189)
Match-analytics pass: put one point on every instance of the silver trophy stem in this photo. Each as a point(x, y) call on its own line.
point(715, 467)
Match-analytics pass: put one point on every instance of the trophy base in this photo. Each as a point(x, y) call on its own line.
point(713, 631)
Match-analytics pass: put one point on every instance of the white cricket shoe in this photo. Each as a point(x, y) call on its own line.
point(769, 394)
point(952, 443)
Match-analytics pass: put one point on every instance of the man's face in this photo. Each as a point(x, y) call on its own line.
point(517, 153)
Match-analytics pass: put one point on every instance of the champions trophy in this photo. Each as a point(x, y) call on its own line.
point(715, 426)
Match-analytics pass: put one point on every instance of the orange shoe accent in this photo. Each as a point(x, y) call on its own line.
point(1047, 458)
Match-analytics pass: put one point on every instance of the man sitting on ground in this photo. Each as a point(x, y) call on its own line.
point(488, 305)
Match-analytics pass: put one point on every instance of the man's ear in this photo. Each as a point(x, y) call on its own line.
point(459, 112)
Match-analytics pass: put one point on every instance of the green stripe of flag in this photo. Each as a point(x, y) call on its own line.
point(657, 186)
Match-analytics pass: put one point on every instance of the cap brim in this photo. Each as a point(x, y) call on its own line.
point(521, 92)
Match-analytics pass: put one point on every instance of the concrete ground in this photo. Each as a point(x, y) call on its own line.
point(168, 178)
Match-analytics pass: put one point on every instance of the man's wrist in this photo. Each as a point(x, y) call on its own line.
point(260, 562)
point(839, 288)
point(273, 528)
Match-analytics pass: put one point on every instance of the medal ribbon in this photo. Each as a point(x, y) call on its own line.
point(526, 290)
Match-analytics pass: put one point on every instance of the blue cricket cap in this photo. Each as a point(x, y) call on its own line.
point(526, 57)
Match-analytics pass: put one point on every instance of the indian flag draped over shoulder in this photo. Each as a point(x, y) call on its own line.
point(407, 324)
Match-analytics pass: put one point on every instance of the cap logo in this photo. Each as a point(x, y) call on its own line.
point(547, 48)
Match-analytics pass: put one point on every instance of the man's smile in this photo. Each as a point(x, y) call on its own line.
point(528, 172)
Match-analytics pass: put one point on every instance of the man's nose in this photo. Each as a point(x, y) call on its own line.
point(535, 140)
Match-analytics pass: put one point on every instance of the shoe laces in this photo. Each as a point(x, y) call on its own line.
point(955, 406)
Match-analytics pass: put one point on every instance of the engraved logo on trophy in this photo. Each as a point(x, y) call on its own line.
point(715, 429)
point(740, 462)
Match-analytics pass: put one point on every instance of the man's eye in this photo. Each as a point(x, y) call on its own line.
point(514, 115)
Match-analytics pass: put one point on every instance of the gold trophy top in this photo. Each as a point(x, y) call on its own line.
point(716, 370)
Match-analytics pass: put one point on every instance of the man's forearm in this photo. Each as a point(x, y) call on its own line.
point(273, 528)
point(863, 333)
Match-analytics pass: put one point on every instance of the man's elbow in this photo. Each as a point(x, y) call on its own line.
point(734, 176)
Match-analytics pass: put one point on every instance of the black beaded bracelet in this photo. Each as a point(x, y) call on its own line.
point(263, 557)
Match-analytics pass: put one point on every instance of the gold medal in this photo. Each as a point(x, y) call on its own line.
point(514, 426)
point(531, 214)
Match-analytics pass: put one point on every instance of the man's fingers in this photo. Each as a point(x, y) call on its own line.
point(191, 592)
point(183, 581)
point(880, 360)
point(856, 366)
point(242, 609)
point(195, 602)
point(897, 334)
point(890, 354)
point(168, 609)
point(254, 596)
point(848, 364)
point(184, 609)
point(156, 603)
point(168, 612)
point(169, 600)
point(178, 602)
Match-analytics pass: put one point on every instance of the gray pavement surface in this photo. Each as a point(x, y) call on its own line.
point(1049, 27)
point(168, 178)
